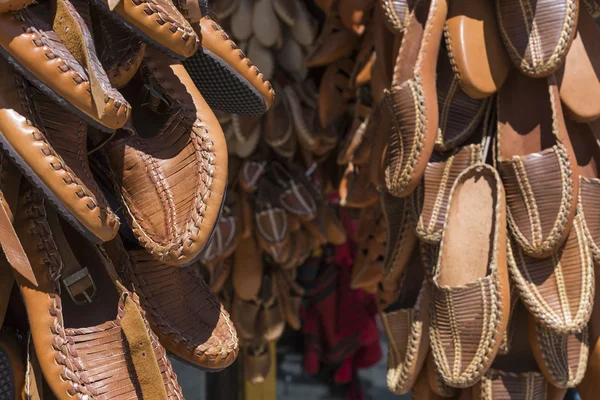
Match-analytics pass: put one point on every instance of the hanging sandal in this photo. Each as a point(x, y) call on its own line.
point(537, 164)
point(334, 92)
point(54, 50)
point(220, 63)
point(334, 42)
point(49, 145)
point(411, 102)
point(182, 311)
point(174, 136)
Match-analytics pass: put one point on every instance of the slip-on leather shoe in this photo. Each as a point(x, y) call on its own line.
point(471, 299)
point(169, 165)
point(52, 46)
point(185, 315)
point(49, 145)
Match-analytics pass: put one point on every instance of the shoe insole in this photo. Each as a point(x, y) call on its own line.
point(469, 237)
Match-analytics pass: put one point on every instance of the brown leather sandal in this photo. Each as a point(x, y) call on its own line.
point(91, 337)
point(579, 79)
point(475, 48)
point(51, 45)
point(537, 164)
point(471, 304)
point(558, 291)
point(174, 136)
point(334, 42)
point(411, 102)
point(14, 5)
point(271, 321)
point(182, 311)
point(436, 383)
point(257, 362)
point(247, 270)
point(290, 295)
point(49, 145)
point(334, 91)
point(219, 63)
point(406, 322)
point(537, 37)
point(355, 14)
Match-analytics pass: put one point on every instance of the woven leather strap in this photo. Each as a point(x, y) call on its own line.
point(142, 353)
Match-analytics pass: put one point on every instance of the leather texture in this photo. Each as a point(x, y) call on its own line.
point(355, 14)
point(411, 102)
point(157, 22)
point(471, 304)
point(537, 164)
point(14, 5)
point(52, 145)
point(475, 47)
point(396, 14)
point(558, 291)
point(67, 339)
point(172, 216)
point(334, 42)
point(184, 314)
point(29, 41)
point(537, 33)
point(429, 202)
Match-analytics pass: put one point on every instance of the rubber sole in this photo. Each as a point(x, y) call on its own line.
point(45, 89)
point(103, 7)
point(222, 87)
point(37, 182)
point(7, 383)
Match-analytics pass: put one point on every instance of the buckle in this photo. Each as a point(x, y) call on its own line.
point(76, 278)
point(154, 100)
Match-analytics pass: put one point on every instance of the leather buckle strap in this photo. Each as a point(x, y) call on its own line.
point(78, 284)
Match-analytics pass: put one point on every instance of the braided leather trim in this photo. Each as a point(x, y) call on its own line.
point(581, 210)
point(537, 67)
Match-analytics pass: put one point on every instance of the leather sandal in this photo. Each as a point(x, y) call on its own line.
point(538, 36)
point(356, 189)
point(578, 79)
point(120, 54)
point(156, 22)
point(89, 332)
point(49, 145)
point(12, 368)
point(290, 295)
point(226, 235)
point(51, 45)
point(396, 14)
point(14, 5)
point(471, 305)
point(367, 270)
point(294, 196)
point(406, 322)
point(562, 358)
point(174, 136)
point(460, 115)
point(185, 315)
point(279, 128)
point(334, 42)
point(257, 362)
point(223, 9)
point(244, 314)
point(355, 14)
point(411, 102)
point(220, 63)
point(430, 201)
point(517, 373)
point(271, 321)
point(537, 164)
point(356, 135)
point(272, 228)
point(558, 291)
point(421, 389)
point(475, 48)
point(218, 274)
point(588, 387)
point(587, 152)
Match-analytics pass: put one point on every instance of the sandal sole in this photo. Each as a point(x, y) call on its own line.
point(37, 182)
point(45, 89)
point(222, 87)
point(7, 384)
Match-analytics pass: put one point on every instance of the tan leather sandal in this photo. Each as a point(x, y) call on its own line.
point(578, 79)
point(52, 46)
point(558, 291)
point(271, 320)
point(220, 63)
point(471, 304)
point(290, 295)
point(355, 14)
point(185, 315)
point(411, 102)
point(174, 136)
point(537, 41)
point(537, 164)
point(90, 335)
point(49, 145)
point(475, 48)
point(406, 322)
